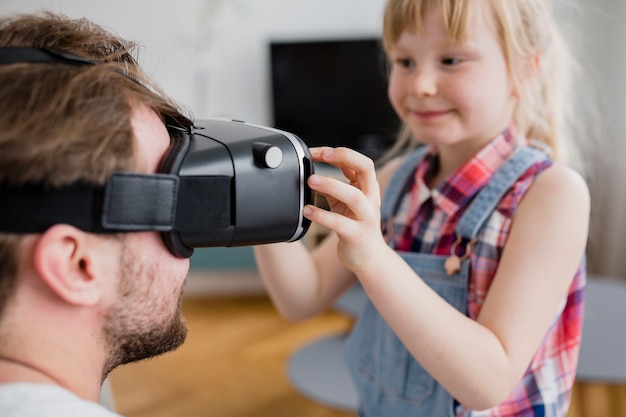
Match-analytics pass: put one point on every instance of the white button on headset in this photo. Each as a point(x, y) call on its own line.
point(266, 155)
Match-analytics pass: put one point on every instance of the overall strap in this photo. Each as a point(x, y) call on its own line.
point(489, 197)
point(397, 185)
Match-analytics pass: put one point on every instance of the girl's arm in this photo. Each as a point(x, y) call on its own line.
point(478, 362)
point(302, 283)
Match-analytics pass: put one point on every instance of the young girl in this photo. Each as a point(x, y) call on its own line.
point(475, 283)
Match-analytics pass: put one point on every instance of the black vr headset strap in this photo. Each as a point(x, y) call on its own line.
point(35, 208)
point(17, 55)
point(14, 54)
point(129, 202)
point(166, 203)
point(135, 202)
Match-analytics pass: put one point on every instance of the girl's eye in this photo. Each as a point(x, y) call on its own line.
point(405, 62)
point(450, 61)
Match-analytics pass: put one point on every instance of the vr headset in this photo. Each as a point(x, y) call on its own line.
point(221, 183)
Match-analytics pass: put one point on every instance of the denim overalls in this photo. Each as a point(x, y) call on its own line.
point(390, 382)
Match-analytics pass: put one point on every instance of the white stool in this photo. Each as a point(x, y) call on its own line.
point(603, 347)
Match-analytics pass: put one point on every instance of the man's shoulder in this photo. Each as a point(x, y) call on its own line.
point(43, 400)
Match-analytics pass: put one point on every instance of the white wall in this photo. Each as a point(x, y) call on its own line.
point(211, 55)
point(610, 55)
point(599, 39)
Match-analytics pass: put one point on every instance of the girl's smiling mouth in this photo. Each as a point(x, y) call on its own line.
point(430, 114)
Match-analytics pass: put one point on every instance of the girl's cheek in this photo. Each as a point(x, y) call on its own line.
point(396, 93)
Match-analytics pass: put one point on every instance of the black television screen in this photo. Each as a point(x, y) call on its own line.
point(333, 92)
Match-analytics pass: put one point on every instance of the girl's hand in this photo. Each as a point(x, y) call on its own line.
point(354, 207)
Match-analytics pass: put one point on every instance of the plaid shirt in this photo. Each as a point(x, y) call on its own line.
point(546, 386)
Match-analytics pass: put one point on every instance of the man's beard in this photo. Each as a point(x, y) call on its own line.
point(131, 332)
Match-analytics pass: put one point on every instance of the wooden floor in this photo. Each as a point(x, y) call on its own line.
point(234, 365)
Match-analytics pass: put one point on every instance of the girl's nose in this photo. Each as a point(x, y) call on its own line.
point(424, 82)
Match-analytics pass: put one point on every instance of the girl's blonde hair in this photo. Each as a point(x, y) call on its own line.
point(526, 30)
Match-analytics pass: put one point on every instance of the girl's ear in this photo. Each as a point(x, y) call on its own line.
point(64, 262)
point(532, 66)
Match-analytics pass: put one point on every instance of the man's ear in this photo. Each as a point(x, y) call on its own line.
point(63, 260)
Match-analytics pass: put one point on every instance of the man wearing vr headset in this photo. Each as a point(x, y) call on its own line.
point(76, 304)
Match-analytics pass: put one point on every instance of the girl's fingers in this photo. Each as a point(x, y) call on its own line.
point(332, 221)
point(356, 167)
point(352, 197)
